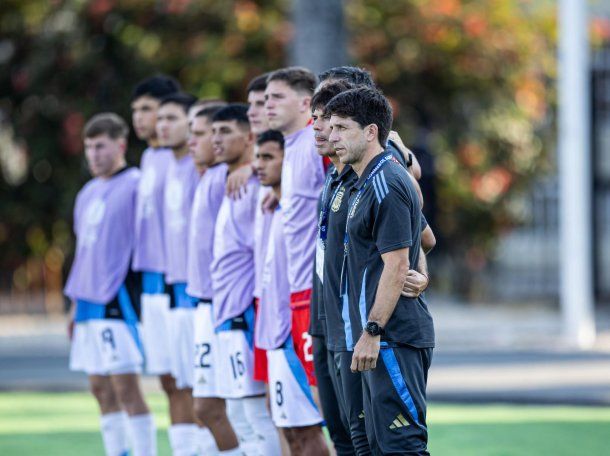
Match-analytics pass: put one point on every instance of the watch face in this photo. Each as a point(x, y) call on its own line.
point(372, 328)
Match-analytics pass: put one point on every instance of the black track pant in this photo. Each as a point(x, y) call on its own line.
point(350, 396)
point(395, 401)
point(336, 422)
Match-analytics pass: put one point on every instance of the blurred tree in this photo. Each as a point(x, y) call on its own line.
point(319, 39)
point(471, 81)
point(63, 60)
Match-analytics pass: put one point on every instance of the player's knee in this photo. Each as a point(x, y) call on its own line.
point(127, 393)
point(103, 393)
point(291, 437)
point(310, 439)
point(210, 412)
point(168, 384)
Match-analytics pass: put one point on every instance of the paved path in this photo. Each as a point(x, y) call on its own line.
point(484, 354)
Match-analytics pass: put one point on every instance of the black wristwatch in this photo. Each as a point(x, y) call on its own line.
point(373, 328)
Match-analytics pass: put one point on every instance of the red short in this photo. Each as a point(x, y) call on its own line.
point(260, 357)
point(299, 303)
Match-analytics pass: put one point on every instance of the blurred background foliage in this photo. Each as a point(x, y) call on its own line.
point(472, 83)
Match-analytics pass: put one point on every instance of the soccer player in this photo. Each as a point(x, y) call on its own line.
point(328, 379)
point(256, 104)
point(292, 405)
point(233, 279)
point(181, 181)
point(236, 186)
point(392, 335)
point(209, 408)
point(287, 105)
point(258, 124)
point(105, 293)
point(149, 255)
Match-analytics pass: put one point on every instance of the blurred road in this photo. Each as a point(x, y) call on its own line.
point(484, 354)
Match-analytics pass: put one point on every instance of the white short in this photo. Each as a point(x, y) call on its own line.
point(206, 353)
point(155, 333)
point(182, 341)
point(104, 347)
point(234, 378)
point(291, 400)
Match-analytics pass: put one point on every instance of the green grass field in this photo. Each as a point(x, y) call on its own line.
point(67, 425)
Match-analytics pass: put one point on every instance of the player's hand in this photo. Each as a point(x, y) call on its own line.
point(70, 328)
point(415, 284)
point(366, 353)
point(269, 202)
point(395, 137)
point(414, 168)
point(237, 180)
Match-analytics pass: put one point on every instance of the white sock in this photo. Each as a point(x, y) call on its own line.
point(237, 417)
point(205, 442)
point(143, 435)
point(183, 439)
point(114, 433)
point(268, 440)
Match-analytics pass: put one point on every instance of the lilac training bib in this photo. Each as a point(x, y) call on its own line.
point(104, 216)
point(302, 181)
point(233, 265)
point(180, 185)
point(149, 251)
point(208, 197)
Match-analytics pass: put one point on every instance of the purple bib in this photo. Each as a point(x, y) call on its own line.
point(233, 265)
point(149, 252)
point(180, 185)
point(302, 181)
point(104, 216)
point(208, 197)
point(262, 223)
point(274, 317)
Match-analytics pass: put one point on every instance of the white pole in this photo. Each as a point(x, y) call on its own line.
point(576, 273)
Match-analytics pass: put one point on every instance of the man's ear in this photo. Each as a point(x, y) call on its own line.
point(305, 104)
point(371, 132)
point(123, 144)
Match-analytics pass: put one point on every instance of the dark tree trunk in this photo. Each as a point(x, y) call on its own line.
point(319, 41)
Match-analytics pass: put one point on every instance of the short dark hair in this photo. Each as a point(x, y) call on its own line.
point(271, 135)
point(185, 100)
point(298, 78)
point(258, 84)
point(355, 75)
point(107, 123)
point(234, 111)
point(326, 93)
point(209, 111)
point(157, 87)
point(366, 106)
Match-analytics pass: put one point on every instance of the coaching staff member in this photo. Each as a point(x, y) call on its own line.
point(393, 334)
